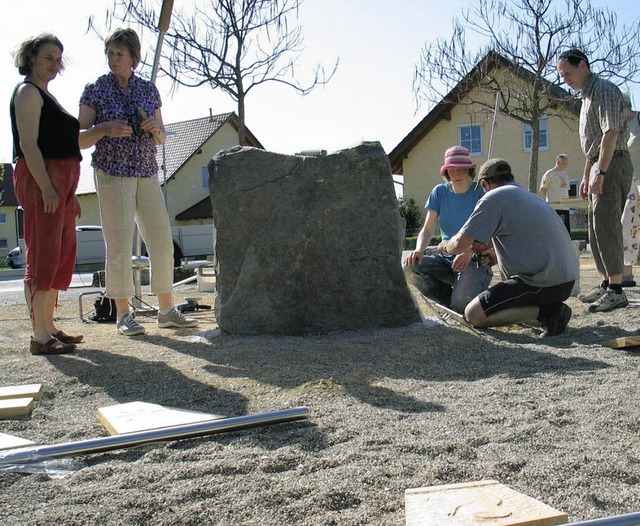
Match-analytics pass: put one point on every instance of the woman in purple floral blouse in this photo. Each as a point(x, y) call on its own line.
point(121, 113)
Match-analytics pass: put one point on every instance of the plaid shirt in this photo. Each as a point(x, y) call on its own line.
point(602, 110)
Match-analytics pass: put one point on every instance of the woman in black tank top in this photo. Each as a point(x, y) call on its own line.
point(47, 157)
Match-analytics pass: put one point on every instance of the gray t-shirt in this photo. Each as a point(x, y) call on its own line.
point(530, 240)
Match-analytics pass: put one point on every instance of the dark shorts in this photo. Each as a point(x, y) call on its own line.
point(512, 293)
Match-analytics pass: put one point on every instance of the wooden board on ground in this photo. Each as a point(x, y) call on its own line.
point(21, 391)
point(627, 342)
point(484, 502)
point(11, 407)
point(142, 416)
point(10, 441)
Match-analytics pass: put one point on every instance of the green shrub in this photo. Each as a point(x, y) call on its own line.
point(410, 212)
point(580, 234)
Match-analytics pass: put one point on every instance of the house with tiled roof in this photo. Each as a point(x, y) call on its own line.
point(466, 117)
point(182, 162)
point(10, 213)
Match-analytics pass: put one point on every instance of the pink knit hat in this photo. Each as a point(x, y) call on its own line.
point(457, 157)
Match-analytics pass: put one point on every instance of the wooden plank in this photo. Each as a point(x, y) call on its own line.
point(15, 407)
point(142, 416)
point(21, 391)
point(485, 502)
point(10, 441)
point(623, 343)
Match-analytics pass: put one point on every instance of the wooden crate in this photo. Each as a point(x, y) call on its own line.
point(479, 503)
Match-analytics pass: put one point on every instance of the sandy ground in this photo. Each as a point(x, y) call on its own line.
point(556, 419)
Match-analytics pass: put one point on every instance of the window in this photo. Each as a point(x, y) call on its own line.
point(471, 138)
point(527, 133)
point(3, 219)
point(205, 177)
point(4, 243)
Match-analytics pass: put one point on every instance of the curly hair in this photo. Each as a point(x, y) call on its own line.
point(24, 56)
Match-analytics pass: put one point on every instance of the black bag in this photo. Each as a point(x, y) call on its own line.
point(105, 311)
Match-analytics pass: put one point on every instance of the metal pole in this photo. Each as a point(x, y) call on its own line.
point(96, 445)
point(493, 126)
point(163, 25)
point(630, 519)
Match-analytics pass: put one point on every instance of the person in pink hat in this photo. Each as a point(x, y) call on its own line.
point(452, 281)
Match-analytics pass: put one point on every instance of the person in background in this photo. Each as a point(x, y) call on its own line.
point(606, 177)
point(538, 265)
point(121, 115)
point(554, 187)
point(449, 280)
point(631, 214)
point(47, 158)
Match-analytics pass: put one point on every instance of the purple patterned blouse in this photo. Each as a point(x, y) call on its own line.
point(133, 156)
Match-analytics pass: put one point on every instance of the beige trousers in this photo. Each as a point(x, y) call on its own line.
point(123, 201)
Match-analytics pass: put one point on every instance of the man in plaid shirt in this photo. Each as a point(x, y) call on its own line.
point(607, 174)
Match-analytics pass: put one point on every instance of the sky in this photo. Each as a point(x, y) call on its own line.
point(370, 98)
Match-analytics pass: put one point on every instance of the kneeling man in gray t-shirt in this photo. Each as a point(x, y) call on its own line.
point(533, 250)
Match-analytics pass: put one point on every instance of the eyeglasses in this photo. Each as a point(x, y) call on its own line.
point(485, 182)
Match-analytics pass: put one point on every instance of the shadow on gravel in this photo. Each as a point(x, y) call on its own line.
point(127, 379)
point(363, 364)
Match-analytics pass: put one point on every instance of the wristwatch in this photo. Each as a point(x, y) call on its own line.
point(597, 171)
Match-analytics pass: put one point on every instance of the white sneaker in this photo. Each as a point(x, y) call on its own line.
point(176, 319)
point(592, 295)
point(129, 326)
point(609, 301)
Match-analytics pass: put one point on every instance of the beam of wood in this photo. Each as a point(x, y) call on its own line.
point(142, 416)
point(482, 503)
point(21, 391)
point(622, 343)
point(10, 441)
point(15, 407)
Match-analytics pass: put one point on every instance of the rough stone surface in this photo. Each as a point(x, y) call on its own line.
point(307, 244)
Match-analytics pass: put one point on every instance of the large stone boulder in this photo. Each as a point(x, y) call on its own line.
point(307, 244)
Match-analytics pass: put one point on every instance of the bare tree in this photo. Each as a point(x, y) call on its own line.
point(523, 39)
point(233, 45)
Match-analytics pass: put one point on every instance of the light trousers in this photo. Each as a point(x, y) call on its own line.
point(125, 201)
point(631, 223)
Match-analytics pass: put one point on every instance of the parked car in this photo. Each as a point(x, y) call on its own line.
point(14, 258)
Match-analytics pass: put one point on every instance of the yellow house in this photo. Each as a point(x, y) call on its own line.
point(466, 117)
point(10, 213)
point(182, 163)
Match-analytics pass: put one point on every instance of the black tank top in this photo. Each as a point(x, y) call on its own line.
point(58, 132)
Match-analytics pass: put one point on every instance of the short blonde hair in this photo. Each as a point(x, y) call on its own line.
point(24, 56)
point(127, 38)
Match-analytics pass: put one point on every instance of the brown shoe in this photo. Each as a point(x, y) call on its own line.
point(53, 346)
point(67, 338)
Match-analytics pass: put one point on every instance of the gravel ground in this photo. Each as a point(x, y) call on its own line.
point(390, 409)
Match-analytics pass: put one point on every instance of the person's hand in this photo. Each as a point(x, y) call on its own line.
point(442, 246)
point(414, 258)
point(78, 208)
point(485, 255)
point(50, 200)
point(461, 261)
point(595, 183)
point(116, 128)
point(151, 125)
point(584, 188)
